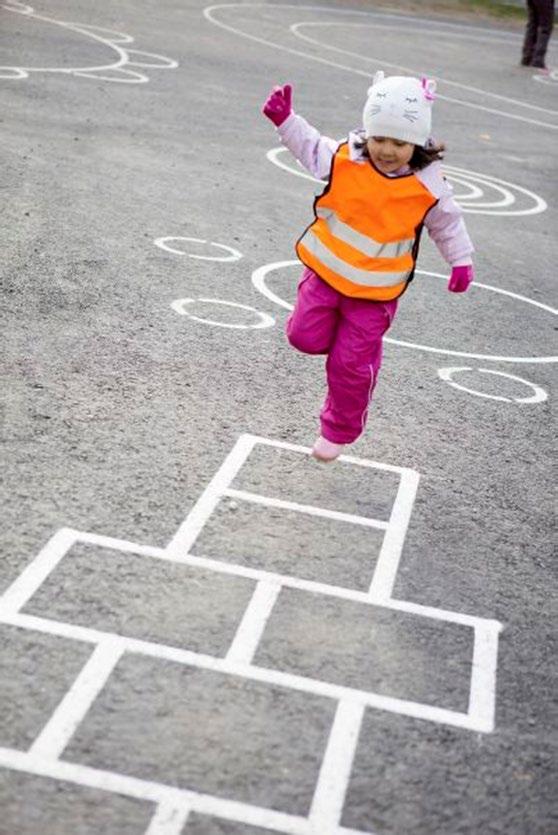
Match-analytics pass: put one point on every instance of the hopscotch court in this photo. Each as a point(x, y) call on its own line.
point(248, 654)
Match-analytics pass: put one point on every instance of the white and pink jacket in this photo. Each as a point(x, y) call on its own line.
point(444, 221)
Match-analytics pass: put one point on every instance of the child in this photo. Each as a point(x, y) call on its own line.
point(383, 184)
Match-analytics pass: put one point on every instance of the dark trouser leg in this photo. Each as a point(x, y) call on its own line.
point(546, 21)
point(530, 34)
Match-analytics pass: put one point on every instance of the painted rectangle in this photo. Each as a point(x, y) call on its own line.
point(208, 732)
point(145, 598)
point(370, 648)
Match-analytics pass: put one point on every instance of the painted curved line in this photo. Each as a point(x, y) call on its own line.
point(449, 170)
point(539, 396)
point(109, 38)
point(540, 204)
point(259, 282)
point(115, 36)
point(13, 72)
point(161, 61)
point(209, 11)
point(20, 8)
point(121, 76)
point(474, 191)
point(233, 254)
point(508, 199)
point(266, 321)
point(295, 30)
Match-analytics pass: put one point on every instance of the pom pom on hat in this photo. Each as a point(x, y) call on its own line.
point(399, 107)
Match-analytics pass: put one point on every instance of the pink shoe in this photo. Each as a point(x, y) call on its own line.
point(324, 450)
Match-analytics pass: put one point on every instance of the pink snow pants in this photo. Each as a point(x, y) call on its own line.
point(350, 332)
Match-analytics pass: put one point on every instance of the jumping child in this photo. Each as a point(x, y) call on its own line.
point(384, 183)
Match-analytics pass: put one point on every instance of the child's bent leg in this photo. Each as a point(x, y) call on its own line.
point(352, 368)
point(312, 324)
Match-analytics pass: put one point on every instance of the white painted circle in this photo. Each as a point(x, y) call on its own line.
point(232, 253)
point(539, 395)
point(265, 320)
point(480, 188)
point(259, 282)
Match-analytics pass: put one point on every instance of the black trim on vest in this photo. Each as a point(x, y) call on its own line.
point(416, 247)
point(418, 228)
point(316, 198)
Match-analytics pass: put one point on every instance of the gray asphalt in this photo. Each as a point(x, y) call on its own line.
point(119, 411)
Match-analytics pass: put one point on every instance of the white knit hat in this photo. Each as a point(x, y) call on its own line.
point(399, 107)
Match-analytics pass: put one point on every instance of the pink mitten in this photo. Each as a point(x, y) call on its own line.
point(460, 278)
point(278, 105)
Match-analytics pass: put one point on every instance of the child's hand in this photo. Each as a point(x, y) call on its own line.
point(460, 278)
point(278, 105)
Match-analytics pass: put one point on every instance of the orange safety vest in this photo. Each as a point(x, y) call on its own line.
point(365, 237)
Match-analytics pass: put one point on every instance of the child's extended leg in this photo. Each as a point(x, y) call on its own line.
point(352, 369)
point(312, 324)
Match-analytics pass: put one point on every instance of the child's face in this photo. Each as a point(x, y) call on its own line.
point(389, 154)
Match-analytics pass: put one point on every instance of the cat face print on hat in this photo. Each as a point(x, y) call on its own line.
point(399, 107)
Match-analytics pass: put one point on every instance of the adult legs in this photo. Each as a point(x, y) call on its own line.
point(545, 15)
point(352, 367)
point(530, 33)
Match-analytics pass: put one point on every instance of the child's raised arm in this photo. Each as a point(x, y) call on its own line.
point(310, 148)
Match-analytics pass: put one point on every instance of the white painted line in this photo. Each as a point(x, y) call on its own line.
point(303, 684)
point(462, 176)
point(430, 33)
point(25, 586)
point(509, 190)
point(231, 255)
point(255, 574)
point(62, 725)
point(169, 819)
point(331, 788)
point(115, 71)
point(348, 459)
point(447, 375)
point(482, 699)
point(383, 581)
point(155, 792)
point(436, 614)
point(188, 532)
point(209, 14)
point(252, 625)
point(259, 282)
point(265, 320)
point(311, 510)
point(118, 544)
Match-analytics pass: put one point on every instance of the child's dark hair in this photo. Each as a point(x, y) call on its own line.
point(421, 156)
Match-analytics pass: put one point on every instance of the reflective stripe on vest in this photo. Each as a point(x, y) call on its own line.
point(364, 238)
point(367, 277)
point(364, 243)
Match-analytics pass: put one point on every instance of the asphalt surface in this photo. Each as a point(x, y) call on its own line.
point(119, 411)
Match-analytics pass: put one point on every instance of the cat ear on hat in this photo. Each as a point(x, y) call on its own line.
point(429, 87)
point(378, 76)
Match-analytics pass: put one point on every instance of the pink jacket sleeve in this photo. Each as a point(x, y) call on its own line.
point(311, 149)
point(444, 221)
